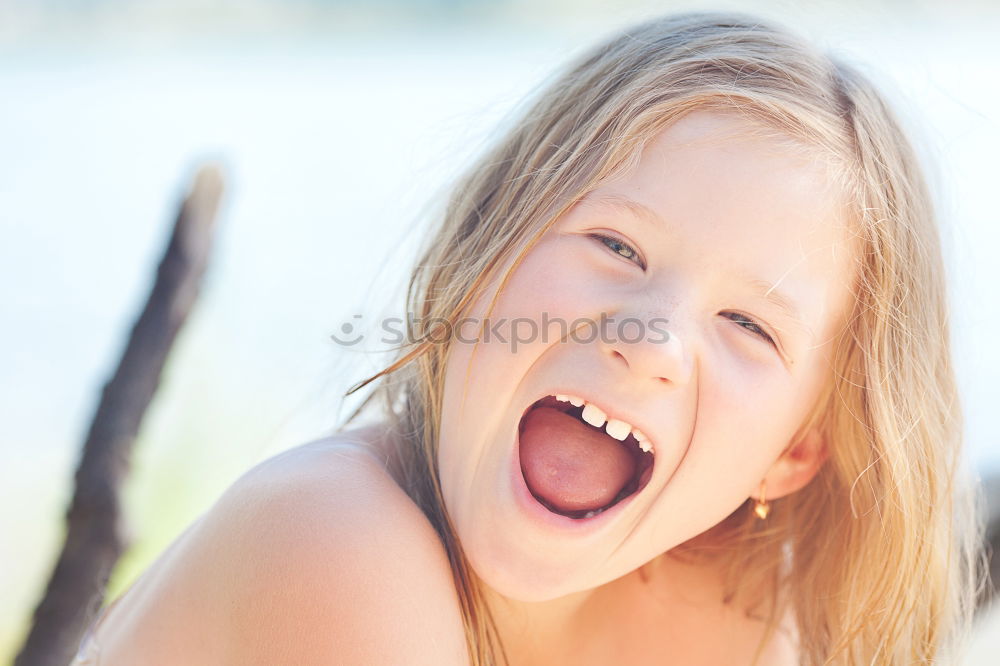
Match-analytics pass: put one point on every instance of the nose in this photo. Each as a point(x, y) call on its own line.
point(650, 347)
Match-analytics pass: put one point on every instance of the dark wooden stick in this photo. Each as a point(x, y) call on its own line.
point(94, 538)
point(991, 489)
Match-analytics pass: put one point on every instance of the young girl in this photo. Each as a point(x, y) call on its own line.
point(678, 392)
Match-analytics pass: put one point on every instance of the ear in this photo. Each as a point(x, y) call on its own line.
point(796, 466)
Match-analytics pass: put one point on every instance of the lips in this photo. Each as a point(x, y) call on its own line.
point(575, 469)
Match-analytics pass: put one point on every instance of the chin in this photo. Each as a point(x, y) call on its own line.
point(529, 580)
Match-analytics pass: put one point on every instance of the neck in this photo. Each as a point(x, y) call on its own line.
point(533, 632)
point(664, 593)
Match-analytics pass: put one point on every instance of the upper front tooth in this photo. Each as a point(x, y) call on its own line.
point(618, 429)
point(593, 415)
point(575, 401)
point(562, 398)
point(643, 441)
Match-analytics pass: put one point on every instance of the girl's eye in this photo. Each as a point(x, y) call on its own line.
point(749, 324)
point(620, 248)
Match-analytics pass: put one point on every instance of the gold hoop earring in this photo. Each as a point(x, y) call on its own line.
point(761, 508)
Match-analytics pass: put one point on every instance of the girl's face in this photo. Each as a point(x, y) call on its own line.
point(697, 298)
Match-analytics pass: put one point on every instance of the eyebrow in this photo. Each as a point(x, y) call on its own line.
point(618, 202)
point(762, 288)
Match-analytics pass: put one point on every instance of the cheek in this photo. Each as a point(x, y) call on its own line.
point(548, 295)
point(747, 414)
point(753, 413)
point(538, 306)
point(552, 282)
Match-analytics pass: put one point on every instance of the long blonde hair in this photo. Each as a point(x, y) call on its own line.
point(883, 543)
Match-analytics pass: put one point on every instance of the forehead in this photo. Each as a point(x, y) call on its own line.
point(743, 201)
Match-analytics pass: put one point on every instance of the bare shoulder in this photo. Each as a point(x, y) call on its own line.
point(314, 556)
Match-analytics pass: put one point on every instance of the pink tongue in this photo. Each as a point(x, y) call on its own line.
point(569, 464)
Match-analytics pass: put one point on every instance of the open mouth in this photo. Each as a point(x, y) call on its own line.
point(576, 469)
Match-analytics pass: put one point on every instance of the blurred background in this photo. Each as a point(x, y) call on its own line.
point(339, 125)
